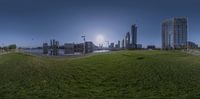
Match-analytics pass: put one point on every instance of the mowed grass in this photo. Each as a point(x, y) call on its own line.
point(124, 74)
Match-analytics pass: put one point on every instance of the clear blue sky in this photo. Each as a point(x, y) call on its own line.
point(67, 20)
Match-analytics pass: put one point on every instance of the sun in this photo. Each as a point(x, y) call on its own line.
point(100, 39)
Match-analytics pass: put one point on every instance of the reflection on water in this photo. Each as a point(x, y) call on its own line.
point(101, 51)
point(61, 52)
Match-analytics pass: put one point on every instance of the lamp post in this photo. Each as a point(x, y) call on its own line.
point(83, 44)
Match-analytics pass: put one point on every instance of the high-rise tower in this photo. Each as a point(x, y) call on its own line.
point(174, 33)
point(134, 36)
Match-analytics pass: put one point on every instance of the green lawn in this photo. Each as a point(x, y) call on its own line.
point(124, 74)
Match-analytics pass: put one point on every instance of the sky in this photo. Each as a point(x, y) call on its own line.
point(33, 22)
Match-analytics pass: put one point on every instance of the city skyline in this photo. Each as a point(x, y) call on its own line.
point(32, 22)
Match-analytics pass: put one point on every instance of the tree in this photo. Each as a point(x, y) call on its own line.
point(12, 46)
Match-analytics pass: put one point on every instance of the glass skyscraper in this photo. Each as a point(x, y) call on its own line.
point(174, 33)
point(134, 36)
point(127, 40)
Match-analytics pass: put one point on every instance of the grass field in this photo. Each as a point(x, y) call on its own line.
point(124, 74)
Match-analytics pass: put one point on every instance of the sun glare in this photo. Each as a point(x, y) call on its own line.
point(100, 39)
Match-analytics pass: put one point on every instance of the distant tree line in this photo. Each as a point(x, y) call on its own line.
point(9, 47)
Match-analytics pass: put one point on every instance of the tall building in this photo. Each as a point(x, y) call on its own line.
point(79, 47)
point(118, 45)
point(127, 40)
point(45, 48)
point(134, 36)
point(54, 46)
point(112, 45)
point(123, 43)
point(89, 47)
point(174, 33)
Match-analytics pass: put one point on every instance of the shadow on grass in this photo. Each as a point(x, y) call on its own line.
point(140, 58)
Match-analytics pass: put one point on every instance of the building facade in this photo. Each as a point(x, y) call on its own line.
point(54, 47)
point(118, 44)
point(79, 47)
point(151, 47)
point(127, 40)
point(134, 36)
point(139, 46)
point(191, 45)
point(123, 43)
point(174, 33)
point(69, 48)
point(112, 45)
point(89, 47)
point(45, 48)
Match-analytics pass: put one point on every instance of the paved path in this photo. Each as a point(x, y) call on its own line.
point(2, 53)
point(193, 52)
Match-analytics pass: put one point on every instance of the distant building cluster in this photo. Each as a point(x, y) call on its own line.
point(54, 47)
point(191, 45)
point(151, 47)
point(69, 48)
point(174, 36)
point(129, 41)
